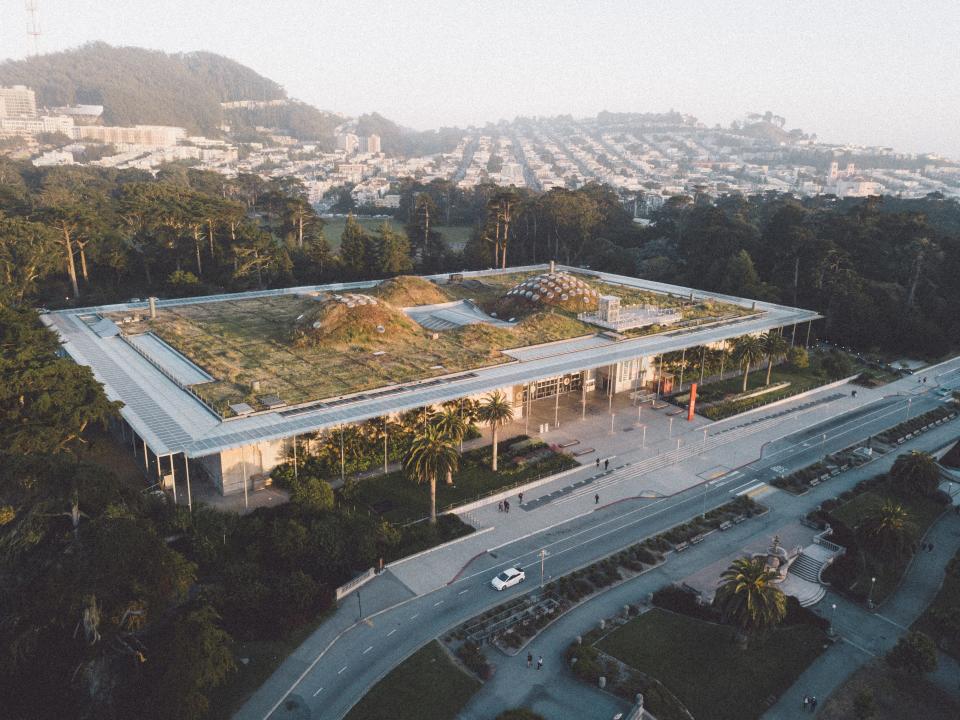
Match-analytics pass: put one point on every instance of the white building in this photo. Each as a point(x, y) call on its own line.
point(18, 101)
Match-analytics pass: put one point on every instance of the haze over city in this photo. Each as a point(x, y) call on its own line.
point(882, 73)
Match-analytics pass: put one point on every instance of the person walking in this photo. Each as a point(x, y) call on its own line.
point(598, 463)
point(606, 464)
point(540, 662)
point(806, 703)
point(529, 659)
point(506, 506)
point(813, 704)
point(520, 499)
point(500, 506)
point(596, 499)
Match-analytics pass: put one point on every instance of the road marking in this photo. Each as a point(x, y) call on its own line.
point(462, 592)
point(341, 670)
point(318, 692)
point(415, 616)
point(859, 647)
point(895, 624)
point(439, 602)
point(391, 632)
point(367, 650)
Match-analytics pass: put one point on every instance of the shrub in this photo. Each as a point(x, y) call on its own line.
point(678, 600)
point(797, 615)
point(914, 653)
point(588, 666)
point(471, 656)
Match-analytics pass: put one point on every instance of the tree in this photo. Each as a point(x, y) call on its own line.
point(392, 251)
point(747, 597)
point(451, 424)
point(431, 455)
point(774, 345)
point(355, 255)
point(798, 358)
point(747, 350)
point(312, 493)
point(27, 254)
point(916, 473)
point(496, 412)
point(887, 530)
point(914, 653)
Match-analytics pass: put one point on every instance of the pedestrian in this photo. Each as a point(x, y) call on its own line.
point(506, 506)
point(540, 662)
point(806, 702)
point(596, 499)
point(500, 506)
point(520, 499)
point(606, 464)
point(529, 659)
point(813, 704)
point(598, 463)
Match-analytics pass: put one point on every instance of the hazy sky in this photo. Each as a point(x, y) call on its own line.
point(869, 72)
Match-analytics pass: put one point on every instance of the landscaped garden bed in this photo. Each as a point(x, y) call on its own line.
point(397, 498)
point(799, 481)
point(914, 426)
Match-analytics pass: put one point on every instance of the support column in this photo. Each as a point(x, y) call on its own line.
point(186, 467)
point(243, 471)
point(173, 476)
point(146, 456)
point(809, 324)
point(296, 475)
point(683, 363)
point(583, 396)
point(703, 358)
point(556, 406)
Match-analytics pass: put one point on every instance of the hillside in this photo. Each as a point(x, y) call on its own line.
point(398, 140)
point(136, 85)
point(294, 118)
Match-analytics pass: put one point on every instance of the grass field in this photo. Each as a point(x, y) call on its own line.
point(700, 663)
point(946, 602)
point(923, 511)
point(455, 235)
point(896, 696)
point(402, 500)
point(426, 685)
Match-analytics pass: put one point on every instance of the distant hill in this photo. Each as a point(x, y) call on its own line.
point(398, 140)
point(294, 118)
point(136, 85)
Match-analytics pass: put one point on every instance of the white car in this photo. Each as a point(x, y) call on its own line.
point(508, 578)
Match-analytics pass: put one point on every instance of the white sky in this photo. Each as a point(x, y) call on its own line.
point(876, 72)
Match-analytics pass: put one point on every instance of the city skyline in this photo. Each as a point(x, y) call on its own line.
point(829, 71)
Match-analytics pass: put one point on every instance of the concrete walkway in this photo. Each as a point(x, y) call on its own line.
point(866, 635)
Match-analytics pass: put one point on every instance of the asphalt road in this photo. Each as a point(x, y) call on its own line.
point(344, 672)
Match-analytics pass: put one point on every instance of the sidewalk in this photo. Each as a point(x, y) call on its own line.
point(866, 635)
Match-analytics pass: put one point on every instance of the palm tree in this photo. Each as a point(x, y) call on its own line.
point(496, 412)
point(748, 598)
point(887, 530)
point(775, 345)
point(747, 350)
point(452, 426)
point(916, 473)
point(431, 455)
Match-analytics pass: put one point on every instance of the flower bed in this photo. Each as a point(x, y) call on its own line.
point(905, 430)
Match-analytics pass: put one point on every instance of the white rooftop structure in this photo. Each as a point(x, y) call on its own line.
point(153, 380)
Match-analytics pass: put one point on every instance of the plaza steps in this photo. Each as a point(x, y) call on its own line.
point(807, 568)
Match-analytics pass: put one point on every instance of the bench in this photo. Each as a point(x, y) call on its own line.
point(680, 547)
point(678, 411)
point(585, 451)
point(696, 539)
point(726, 525)
point(569, 444)
point(814, 482)
point(739, 519)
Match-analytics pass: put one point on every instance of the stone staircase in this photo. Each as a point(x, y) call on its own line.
point(806, 568)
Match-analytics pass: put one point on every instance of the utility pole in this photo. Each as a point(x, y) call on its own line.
point(543, 556)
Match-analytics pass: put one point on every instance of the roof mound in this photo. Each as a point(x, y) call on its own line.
point(352, 320)
point(409, 291)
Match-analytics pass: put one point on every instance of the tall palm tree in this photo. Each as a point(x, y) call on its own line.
point(747, 351)
point(916, 473)
point(748, 598)
point(887, 530)
point(775, 346)
point(496, 412)
point(431, 455)
point(452, 426)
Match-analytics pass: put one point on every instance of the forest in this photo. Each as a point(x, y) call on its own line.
point(154, 631)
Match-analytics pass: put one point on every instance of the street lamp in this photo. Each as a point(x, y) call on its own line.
point(543, 556)
point(833, 618)
point(873, 581)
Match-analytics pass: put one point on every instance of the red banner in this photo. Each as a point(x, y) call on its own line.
point(693, 401)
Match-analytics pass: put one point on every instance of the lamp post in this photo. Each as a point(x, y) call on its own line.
point(833, 618)
point(543, 556)
point(873, 581)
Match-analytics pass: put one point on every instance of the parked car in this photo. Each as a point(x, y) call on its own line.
point(508, 578)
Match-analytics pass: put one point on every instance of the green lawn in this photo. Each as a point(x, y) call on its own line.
point(426, 685)
point(923, 512)
point(700, 663)
point(947, 600)
point(399, 499)
point(455, 235)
